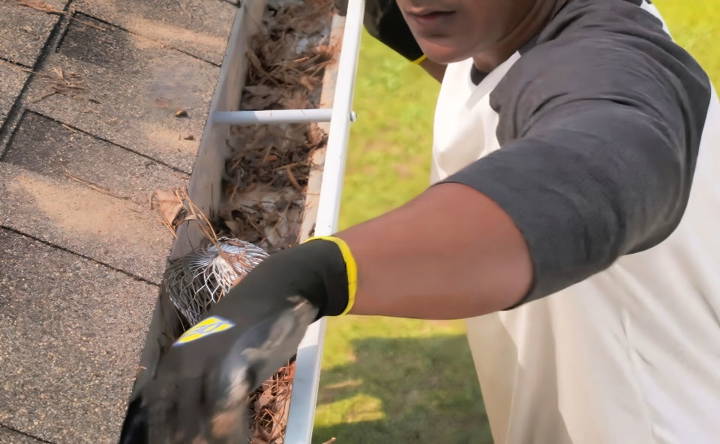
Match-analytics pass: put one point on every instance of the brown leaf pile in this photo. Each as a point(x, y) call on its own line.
point(267, 216)
point(268, 170)
point(265, 187)
point(269, 406)
point(288, 56)
point(276, 155)
point(269, 167)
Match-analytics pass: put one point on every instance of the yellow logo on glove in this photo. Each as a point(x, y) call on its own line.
point(206, 327)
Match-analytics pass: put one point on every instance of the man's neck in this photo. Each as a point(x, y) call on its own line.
point(527, 27)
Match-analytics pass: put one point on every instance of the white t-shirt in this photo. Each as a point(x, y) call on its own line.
point(590, 138)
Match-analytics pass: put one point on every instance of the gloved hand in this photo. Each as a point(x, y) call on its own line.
point(199, 388)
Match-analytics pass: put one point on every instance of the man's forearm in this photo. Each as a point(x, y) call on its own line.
point(449, 253)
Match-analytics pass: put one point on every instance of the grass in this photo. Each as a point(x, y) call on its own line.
point(389, 156)
point(390, 380)
point(696, 27)
point(399, 380)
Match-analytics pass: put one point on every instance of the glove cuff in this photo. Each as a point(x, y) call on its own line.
point(342, 300)
point(322, 270)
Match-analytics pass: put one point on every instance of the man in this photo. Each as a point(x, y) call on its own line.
point(572, 217)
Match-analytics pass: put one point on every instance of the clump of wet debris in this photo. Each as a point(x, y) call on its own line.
point(269, 407)
point(268, 170)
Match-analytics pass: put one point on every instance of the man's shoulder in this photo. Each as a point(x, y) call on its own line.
point(583, 19)
point(583, 31)
point(592, 49)
point(596, 51)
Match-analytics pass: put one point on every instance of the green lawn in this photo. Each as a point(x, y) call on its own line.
point(401, 381)
point(695, 25)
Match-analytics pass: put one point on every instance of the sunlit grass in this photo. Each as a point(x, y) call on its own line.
point(389, 159)
point(695, 25)
point(398, 381)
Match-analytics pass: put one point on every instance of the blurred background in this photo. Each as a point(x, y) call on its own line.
point(398, 380)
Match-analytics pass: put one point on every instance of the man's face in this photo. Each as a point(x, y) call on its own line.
point(453, 30)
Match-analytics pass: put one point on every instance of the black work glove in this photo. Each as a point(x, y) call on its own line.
point(200, 386)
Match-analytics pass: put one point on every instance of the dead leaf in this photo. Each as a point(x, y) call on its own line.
point(308, 82)
point(181, 113)
point(316, 135)
point(168, 206)
point(269, 166)
point(295, 100)
point(265, 399)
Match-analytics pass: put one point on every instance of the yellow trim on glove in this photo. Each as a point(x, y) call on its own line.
point(350, 266)
point(420, 59)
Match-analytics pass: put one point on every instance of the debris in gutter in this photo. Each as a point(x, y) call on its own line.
point(266, 176)
point(269, 166)
point(200, 279)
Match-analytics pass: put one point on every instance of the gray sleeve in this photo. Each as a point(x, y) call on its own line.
point(599, 134)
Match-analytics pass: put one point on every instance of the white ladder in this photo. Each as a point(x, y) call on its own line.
point(309, 356)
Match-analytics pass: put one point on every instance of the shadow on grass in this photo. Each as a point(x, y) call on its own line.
point(404, 390)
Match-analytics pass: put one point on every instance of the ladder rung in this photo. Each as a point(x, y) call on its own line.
point(278, 116)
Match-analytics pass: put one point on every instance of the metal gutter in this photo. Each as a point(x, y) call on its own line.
point(205, 183)
point(204, 187)
point(323, 192)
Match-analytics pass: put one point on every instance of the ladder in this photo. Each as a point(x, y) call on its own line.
point(340, 115)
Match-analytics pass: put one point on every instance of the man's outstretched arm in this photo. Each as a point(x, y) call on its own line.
point(597, 162)
point(450, 253)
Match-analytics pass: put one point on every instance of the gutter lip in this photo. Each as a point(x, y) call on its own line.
point(309, 357)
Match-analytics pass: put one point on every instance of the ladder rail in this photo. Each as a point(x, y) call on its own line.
point(307, 371)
